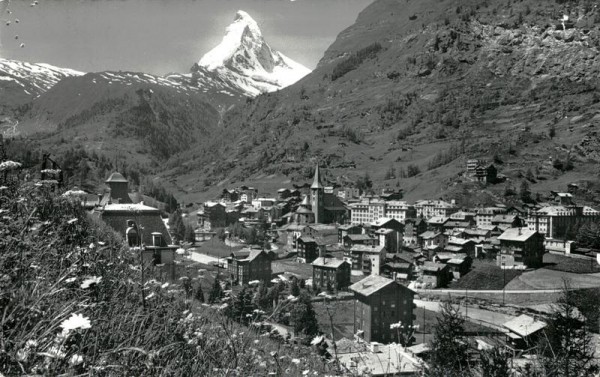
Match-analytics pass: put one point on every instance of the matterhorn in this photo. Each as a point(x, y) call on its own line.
point(244, 60)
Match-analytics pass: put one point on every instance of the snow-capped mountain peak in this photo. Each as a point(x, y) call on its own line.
point(246, 60)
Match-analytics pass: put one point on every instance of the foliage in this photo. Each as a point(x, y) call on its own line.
point(449, 347)
point(74, 303)
point(303, 317)
point(242, 306)
point(567, 347)
point(216, 291)
point(364, 183)
point(588, 235)
point(355, 60)
point(177, 226)
point(495, 363)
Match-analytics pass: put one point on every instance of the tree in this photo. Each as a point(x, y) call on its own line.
point(216, 292)
point(262, 298)
point(495, 363)
point(567, 348)
point(449, 347)
point(588, 235)
point(552, 132)
point(295, 288)
point(242, 307)
point(199, 293)
point(303, 317)
point(190, 235)
point(176, 225)
point(524, 192)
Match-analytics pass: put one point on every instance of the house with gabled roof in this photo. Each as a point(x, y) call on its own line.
point(380, 302)
point(436, 275)
point(331, 273)
point(250, 266)
point(523, 332)
point(520, 248)
point(367, 259)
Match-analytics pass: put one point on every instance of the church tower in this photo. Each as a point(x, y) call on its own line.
point(317, 194)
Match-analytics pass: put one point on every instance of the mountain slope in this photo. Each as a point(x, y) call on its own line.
point(20, 82)
point(138, 117)
point(245, 59)
point(422, 86)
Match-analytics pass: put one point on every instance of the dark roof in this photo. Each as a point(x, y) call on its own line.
point(116, 177)
point(149, 220)
point(328, 262)
point(317, 179)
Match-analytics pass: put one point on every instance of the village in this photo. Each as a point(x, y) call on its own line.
point(384, 267)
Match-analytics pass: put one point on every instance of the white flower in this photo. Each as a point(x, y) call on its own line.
point(70, 280)
point(76, 359)
point(89, 281)
point(50, 171)
point(164, 285)
point(92, 246)
point(9, 165)
point(76, 321)
point(296, 361)
point(150, 296)
point(74, 220)
point(306, 372)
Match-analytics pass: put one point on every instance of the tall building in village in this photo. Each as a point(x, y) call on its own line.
point(317, 193)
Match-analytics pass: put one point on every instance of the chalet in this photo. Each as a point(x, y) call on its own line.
point(213, 216)
point(436, 223)
point(463, 216)
point(246, 267)
point(398, 269)
point(505, 221)
point(432, 240)
point(520, 248)
point(436, 275)
point(331, 273)
point(476, 234)
point(307, 249)
point(344, 230)
point(412, 229)
point(378, 303)
point(461, 245)
point(367, 259)
point(352, 240)
point(458, 267)
point(457, 224)
point(486, 174)
point(523, 332)
point(389, 238)
point(146, 220)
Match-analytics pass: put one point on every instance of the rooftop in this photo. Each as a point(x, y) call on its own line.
point(516, 234)
point(116, 177)
point(328, 262)
point(524, 325)
point(368, 248)
point(129, 207)
point(371, 284)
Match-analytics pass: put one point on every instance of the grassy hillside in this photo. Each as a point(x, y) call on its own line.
point(75, 302)
point(424, 84)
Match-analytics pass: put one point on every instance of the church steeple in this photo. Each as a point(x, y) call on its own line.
point(317, 193)
point(317, 180)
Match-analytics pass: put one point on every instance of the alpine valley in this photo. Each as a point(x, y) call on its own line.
point(406, 94)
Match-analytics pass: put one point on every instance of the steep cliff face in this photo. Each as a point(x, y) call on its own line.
point(426, 84)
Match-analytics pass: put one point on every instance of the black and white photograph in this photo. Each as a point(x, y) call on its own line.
point(300, 188)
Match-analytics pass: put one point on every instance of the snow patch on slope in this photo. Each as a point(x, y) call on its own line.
point(34, 78)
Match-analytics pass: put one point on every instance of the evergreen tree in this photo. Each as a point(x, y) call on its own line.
point(190, 235)
point(495, 363)
point(295, 288)
point(588, 235)
point(176, 225)
point(216, 292)
point(303, 317)
point(449, 347)
point(262, 299)
point(242, 307)
point(199, 294)
point(552, 131)
point(524, 192)
point(567, 348)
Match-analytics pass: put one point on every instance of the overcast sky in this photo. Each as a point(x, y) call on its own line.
point(161, 36)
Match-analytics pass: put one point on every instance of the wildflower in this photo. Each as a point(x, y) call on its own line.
point(76, 359)
point(2, 188)
point(9, 165)
point(296, 361)
point(101, 243)
point(90, 281)
point(273, 353)
point(72, 221)
point(92, 246)
point(317, 340)
point(51, 171)
point(256, 341)
point(396, 325)
point(306, 372)
point(76, 321)
point(70, 280)
point(150, 296)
